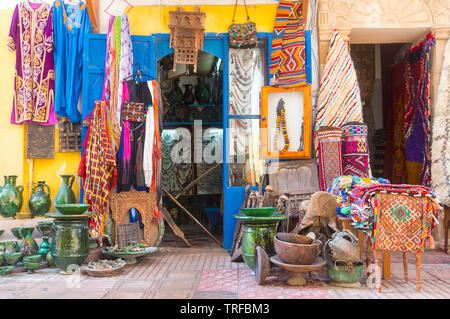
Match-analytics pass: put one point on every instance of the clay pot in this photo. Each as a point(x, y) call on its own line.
point(40, 201)
point(296, 254)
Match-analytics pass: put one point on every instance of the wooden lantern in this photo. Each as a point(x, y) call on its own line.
point(186, 36)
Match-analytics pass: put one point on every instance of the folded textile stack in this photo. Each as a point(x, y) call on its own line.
point(348, 204)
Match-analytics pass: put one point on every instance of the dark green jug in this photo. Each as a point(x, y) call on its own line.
point(202, 94)
point(40, 201)
point(11, 198)
point(65, 194)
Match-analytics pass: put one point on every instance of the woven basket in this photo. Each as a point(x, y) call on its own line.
point(102, 273)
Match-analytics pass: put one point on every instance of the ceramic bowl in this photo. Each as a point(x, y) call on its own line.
point(32, 258)
point(31, 265)
point(6, 270)
point(11, 246)
point(296, 254)
point(15, 231)
point(294, 238)
point(258, 211)
point(72, 209)
point(45, 228)
point(13, 258)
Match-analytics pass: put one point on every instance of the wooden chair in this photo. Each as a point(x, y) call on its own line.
point(401, 222)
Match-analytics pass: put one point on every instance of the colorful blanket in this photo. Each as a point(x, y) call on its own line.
point(329, 155)
point(287, 60)
point(355, 150)
point(440, 150)
point(339, 98)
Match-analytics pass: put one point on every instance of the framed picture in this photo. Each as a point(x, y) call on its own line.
point(286, 122)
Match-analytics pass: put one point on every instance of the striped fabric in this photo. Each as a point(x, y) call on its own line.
point(339, 98)
point(287, 60)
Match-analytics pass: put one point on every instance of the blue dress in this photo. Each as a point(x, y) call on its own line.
point(70, 25)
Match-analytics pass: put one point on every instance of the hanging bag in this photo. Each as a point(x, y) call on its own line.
point(242, 35)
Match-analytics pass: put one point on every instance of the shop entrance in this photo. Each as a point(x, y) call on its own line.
point(192, 144)
point(380, 74)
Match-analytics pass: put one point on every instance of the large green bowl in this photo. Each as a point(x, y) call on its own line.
point(258, 211)
point(15, 232)
point(32, 258)
point(13, 258)
point(5, 270)
point(72, 209)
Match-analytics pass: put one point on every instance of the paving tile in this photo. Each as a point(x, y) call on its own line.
point(169, 294)
point(179, 284)
point(116, 294)
point(218, 280)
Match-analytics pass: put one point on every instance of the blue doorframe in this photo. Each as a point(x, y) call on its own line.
point(147, 50)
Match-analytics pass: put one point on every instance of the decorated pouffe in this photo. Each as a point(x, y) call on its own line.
point(355, 149)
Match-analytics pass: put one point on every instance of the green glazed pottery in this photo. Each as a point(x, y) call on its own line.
point(49, 259)
point(72, 209)
point(28, 245)
point(338, 272)
point(65, 194)
point(130, 256)
point(40, 201)
point(70, 243)
point(258, 211)
point(2, 248)
point(11, 198)
point(12, 258)
point(202, 94)
point(32, 262)
point(11, 247)
point(6, 270)
point(258, 231)
point(21, 232)
point(45, 228)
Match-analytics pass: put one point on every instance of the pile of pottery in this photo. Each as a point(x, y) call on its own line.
point(297, 254)
point(344, 267)
point(20, 257)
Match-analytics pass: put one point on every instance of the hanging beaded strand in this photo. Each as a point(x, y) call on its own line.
point(281, 124)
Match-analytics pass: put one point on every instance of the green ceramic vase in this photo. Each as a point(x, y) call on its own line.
point(257, 235)
point(65, 194)
point(70, 244)
point(202, 94)
point(11, 198)
point(40, 201)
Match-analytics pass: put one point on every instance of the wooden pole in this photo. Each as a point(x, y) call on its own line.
point(190, 215)
point(197, 180)
point(177, 231)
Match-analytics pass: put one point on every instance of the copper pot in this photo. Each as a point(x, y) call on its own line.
point(296, 254)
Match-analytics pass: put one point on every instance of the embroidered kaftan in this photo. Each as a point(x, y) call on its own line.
point(31, 37)
point(70, 25)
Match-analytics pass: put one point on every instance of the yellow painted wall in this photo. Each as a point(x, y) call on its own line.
point(13, 159)
point(144, 20)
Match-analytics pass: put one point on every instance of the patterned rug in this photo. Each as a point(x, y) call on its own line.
point(329, 154)
point(339, 98)
point(440, 150)
point(403, 222)
point(355, 150)
point(287, 60)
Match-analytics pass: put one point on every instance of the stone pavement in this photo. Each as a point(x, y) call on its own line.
point(207, 273)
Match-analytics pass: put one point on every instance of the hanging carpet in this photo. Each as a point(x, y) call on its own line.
point(440, 150)
point(339, 98)
point(287, 60)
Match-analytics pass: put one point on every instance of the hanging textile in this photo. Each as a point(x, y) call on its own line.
point(329, 155)
point(400, 99)
point(31, 36)
point(355, 150)
point(287, 60)
point(125, 60)
point(417, 129)
point(339, 98)
point(130, 169)
point(99, 164)
point(246, 77)
point(70, 25)
point(150, 136)
point(440, 150)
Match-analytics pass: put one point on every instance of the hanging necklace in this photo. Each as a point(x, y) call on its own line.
point(281, 125)
point(132, 130)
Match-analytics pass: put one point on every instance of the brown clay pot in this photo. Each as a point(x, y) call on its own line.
point(294, 238)
point(296, 254)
